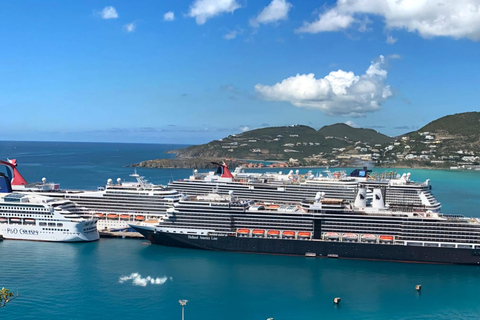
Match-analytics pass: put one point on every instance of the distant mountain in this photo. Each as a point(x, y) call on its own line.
point(283, 143)
point(355, 134)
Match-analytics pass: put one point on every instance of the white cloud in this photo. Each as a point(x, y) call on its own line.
point(329, 21)
point(338, 93)
point(391, 40)
point(130, 27)
point(275, 11)
point(202, 10)
point(429, 18)
point(169, 16)
point(232, 34)
point(352, 124)
point(109, 13)
point(137, 280)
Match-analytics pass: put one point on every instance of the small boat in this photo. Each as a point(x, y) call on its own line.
point(258, 232)
point(29, 221)
point(112, 216)
point(350, 236)
point(15, 220)
point(3, 220)
point(140, 218)
point(304, 234)
point(386, 238)
point(243, 231)
point(100, 215)
point(331, 235)
point(369, 237)
point(125, 216)
point(273, 233)
point(288, 234)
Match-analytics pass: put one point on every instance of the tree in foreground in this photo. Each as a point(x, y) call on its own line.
point(6, 296)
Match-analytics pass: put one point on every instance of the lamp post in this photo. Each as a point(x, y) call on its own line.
point(183, 303)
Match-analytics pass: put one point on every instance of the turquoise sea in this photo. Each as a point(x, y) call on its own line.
point(130, 279)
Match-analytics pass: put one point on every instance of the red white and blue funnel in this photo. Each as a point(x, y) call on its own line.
point(12, 172)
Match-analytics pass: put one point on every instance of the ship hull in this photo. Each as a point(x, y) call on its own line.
point(318, 248)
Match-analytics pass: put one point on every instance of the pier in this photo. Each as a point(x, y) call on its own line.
point(120, 234)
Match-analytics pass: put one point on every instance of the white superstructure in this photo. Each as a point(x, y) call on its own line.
point(39, 218)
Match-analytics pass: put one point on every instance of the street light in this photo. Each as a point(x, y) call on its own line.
point(183, 303)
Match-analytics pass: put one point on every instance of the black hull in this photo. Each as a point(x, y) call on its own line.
point(349, 250)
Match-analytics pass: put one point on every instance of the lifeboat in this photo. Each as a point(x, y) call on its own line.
point(15, 220)
point(112, 216)
point(29, 221)
point(100, 215)
point(273, 207)
point(304, 234)
point(258, 232)
point(3, 220)
point(243, 231)
point(125, 216)
point(288, 234)
point(385, 238)
point(140, 218)
point(350, 236)
point(369, 237)
point(273, 233)
point(331, 235)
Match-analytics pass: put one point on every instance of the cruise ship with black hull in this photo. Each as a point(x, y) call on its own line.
point(399, 192)
point(324, 227)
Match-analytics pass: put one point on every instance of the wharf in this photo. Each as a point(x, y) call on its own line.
point(120, 234)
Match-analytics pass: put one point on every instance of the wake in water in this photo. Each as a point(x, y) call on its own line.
point(137, 280)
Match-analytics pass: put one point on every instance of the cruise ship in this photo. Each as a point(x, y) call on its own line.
point(116, 205)
point(321, 227)
point(399, 192)
point(39, 218)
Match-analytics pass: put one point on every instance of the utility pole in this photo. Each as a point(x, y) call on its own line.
point(183, 303)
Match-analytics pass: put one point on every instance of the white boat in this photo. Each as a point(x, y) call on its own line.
point(116, 205)
point(39, 218)
point(397, 191)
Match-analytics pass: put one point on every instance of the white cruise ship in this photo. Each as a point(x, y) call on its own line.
point(40, 218)
point(398, 192)
point(116, 205)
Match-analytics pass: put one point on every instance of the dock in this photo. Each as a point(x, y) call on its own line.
point(120, 234)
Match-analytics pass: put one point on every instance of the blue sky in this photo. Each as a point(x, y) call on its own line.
point(199, 70)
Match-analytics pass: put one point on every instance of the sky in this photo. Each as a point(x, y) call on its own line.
point(189, 72)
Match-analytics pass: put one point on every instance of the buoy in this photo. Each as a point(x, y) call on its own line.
point(336, 300)
point(418, 287)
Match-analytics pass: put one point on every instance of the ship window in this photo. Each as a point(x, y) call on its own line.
point(50, 224)
point(59, 224)
point(42, 224)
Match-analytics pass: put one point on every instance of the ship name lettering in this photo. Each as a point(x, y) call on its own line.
point(192, 237)
point(205, 238)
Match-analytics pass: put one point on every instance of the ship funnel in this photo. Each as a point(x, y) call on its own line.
point(361, 199)
point(12, 172)
point(378, 202)
point(5, 186)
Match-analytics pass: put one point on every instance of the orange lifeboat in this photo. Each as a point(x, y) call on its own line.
point(140, 218)
point(304, 234)
point(3, 220)
point(385, 238)
point(124, 216)
point(243, 231)
point(288, 233)
point(273, 233)
point(100, 215)
point(258, 233)
point(273, 207)
point(112, 216)
point(29, 221)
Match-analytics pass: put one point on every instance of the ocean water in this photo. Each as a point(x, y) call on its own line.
point(128, 279)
